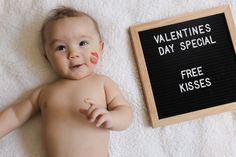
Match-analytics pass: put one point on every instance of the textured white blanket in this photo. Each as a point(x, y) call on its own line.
point(23, 68)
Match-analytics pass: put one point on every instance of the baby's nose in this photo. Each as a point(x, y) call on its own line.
point(73, 54)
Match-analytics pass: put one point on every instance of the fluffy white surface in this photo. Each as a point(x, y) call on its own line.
point(23, 68)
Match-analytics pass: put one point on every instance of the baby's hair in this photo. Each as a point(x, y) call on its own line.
point(65, 12)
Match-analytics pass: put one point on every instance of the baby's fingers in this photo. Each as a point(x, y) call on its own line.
point(104, 119)
point(83, 111)
point(87, 112)
point(96, 113)
point(89, 101)
point(91, 110)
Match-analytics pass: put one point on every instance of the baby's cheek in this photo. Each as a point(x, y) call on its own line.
point(94, 57)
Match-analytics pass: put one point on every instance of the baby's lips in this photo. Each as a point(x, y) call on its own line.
point(75, 65)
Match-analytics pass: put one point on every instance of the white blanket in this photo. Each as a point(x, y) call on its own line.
point(23, 68)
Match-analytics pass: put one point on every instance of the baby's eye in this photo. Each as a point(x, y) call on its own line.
point(60, 48)
point(83, 43)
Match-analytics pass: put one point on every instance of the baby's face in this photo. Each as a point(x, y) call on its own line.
point(73, 46)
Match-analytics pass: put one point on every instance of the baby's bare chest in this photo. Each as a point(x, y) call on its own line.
point(70, 98)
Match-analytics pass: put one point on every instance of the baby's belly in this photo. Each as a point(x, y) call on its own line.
point(67, 136)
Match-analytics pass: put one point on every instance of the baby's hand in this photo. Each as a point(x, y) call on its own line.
point(98, 115)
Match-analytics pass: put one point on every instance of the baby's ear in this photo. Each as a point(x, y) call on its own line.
point(45, 56)
point(44, 52)
point(101, 45)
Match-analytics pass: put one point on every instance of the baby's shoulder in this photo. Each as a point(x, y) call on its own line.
point(104, 78)
point(42, 89)
point(101, 76)
point(108, 82)
point(35, 95)
point(45, 87)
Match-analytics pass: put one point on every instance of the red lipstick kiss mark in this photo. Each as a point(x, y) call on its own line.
point(94, 58)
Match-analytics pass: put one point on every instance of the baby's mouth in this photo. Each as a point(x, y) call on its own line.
point(75, 66)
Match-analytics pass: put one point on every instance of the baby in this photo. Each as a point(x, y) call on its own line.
point(79, 109)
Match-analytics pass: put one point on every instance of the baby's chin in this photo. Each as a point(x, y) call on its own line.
point(77, 76)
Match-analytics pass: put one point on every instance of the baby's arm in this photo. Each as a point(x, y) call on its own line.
point(117, 115)
point(15, 115)
point(118, 106)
